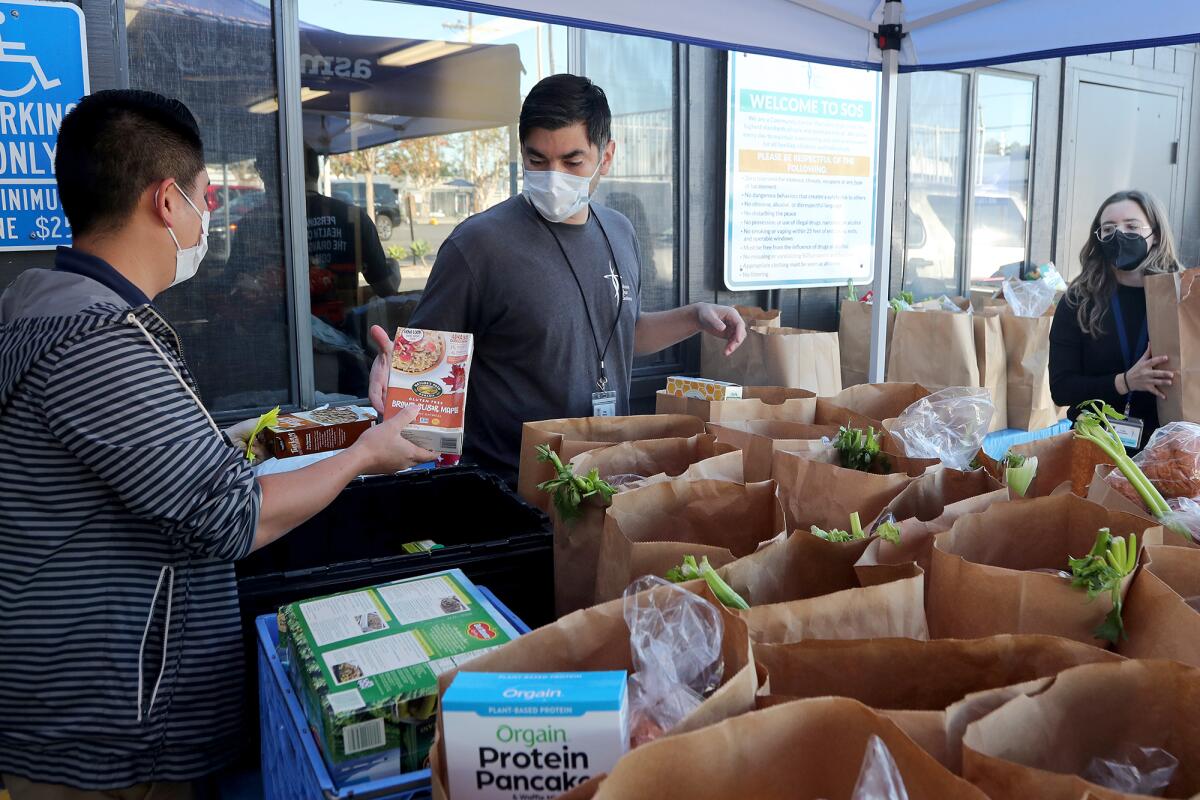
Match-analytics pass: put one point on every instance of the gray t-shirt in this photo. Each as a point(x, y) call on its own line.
point(502, 277)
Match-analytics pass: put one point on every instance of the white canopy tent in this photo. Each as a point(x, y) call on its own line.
point(889, 35)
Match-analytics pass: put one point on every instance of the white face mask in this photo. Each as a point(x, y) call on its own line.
point(558, 196)
point(187, 259)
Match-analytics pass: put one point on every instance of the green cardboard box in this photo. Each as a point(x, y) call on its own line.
point(365, 665)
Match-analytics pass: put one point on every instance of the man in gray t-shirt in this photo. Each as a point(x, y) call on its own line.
point(549, 284)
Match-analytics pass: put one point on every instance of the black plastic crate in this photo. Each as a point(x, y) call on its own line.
point(488, 532)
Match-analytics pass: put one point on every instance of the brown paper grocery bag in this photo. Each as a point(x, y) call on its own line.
point(783, 357)
point(1102, 493)
point(791, 597)
point(822, 494)
point(577, 543)
point(806, 750)
point(1173, 311)
point(713, 361)
point(757, 402)
point(759, 439)
point(1062, 459)
point(873, 402)
point(926, 507)
point(981, 580)
point(992, 358)
point(893, 676)
point(649, 531)
point(1027, 344)
point(854, 340)
point(597, 638)
point(935, 349)
point(570, 437)
point(793, 357)
point(756, 317)
point(1036, 746)
point(1160, 622)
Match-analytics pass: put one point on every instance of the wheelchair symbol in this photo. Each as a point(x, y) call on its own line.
point(38, 76)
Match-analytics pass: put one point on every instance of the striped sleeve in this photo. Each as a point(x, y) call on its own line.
point(112, 401)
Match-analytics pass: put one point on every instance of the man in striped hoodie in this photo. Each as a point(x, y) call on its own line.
point(122, 505)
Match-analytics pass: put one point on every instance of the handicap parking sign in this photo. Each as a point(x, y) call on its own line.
point(43, 75)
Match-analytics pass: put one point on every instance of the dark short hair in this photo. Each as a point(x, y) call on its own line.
point(113, 145)
point(562, 100)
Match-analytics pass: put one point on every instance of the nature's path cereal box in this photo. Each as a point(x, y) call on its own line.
point(430, 370)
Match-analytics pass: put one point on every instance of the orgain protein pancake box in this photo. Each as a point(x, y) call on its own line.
point(430, 370)
point(533, 736)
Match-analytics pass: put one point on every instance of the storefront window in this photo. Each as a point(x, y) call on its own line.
point(936, 163)
point(636, 74)
point(218, 57)
point(410, 126)
point(1001, 169)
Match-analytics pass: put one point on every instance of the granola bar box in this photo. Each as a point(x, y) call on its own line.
point(365, 666)
point(430, 370)
point(306, 432)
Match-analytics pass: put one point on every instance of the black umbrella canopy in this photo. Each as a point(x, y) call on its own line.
point(357, 91)
point(365, 91)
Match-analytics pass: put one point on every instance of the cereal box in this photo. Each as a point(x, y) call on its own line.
point(703, 389)
point(306, 432)
point(430, 370)
point(365, 665)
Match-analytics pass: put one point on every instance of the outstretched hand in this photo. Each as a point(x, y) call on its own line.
point(723, 322)
point(381, 368)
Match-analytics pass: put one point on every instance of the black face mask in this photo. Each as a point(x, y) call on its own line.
point(1125, 251)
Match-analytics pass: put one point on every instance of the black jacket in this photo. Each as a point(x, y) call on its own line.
point(1084, 368)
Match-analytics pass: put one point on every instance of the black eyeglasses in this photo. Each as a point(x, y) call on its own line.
point(1108, 230)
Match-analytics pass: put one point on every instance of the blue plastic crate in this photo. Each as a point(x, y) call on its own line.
point(292, 766)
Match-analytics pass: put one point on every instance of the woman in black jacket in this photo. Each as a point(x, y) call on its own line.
point(1099, 342)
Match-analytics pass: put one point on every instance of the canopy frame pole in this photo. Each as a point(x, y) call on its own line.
point(836, 13)
point(950, 13)
point(884, 184)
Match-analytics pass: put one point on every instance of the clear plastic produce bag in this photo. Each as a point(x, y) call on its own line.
point(946, 304)
point(880, 778)
point(1171, 460)
point(1184, 517)
point(1134, 770)
point(1029, 298)
point(949, 425)
point(626, 482)
point(675, 637)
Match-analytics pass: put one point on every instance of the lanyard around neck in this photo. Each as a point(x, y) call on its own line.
point(1131, 356)
point(601, 353)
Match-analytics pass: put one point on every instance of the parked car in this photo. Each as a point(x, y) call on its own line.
point(225, 219)
point(387, 203)
point(933, 239)
point(217, 195)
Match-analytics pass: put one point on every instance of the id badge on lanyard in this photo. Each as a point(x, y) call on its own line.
point(604, 400)
point(1130, 429)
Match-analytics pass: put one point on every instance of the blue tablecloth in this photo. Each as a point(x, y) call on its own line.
point(997, 444)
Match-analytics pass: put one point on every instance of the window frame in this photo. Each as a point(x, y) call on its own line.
point(972, 131)
point(903, 176)
point(1036, 72)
